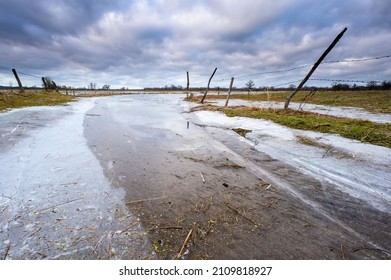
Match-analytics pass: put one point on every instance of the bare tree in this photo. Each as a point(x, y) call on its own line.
point(106, 87)
point(250, 85)
point(386, 85)
point(371, 85)
point(92, 86)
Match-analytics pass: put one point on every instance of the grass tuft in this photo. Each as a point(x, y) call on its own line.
point(242, 132)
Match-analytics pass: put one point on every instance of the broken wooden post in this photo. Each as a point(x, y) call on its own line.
point(229, 91)
point(289, 97)
point(18, 80)
point(207, 89)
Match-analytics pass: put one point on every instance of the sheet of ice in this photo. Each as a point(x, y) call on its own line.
point(346, 112)
point(17, 123)
point(55, 201)
point(152, 114)
point(363, 172)
point(151, 110)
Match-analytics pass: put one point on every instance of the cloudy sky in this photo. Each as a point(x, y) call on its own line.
point(145, 43)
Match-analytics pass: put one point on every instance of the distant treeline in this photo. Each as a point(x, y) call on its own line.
point(385, 85)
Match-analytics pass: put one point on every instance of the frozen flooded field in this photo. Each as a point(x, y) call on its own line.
point(55, 201)
point(129, 177)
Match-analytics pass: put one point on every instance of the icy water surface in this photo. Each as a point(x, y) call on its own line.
point(190, 169)
point(55, 202)
point(129, 177)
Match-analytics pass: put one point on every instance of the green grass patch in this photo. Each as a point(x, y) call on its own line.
point(364, 131)
point(9, 100)
point(377, 101)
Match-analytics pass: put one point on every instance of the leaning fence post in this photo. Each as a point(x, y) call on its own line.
point(54, 85)
point(18, 80)
point(289, 97)
point(229, 91)
point(45, 83)
point(207, 89)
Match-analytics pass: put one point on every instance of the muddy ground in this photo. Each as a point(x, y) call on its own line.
point(201, 193)
point(136, 177)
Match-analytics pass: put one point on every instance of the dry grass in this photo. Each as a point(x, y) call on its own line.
point(241, 131)
point(364, 131)
point(377, 101)
point(11, 99)
point(328, 149)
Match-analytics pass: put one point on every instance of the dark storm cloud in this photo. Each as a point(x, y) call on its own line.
point(27, 22)
point(153, 42)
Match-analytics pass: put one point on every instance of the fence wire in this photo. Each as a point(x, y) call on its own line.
point(278, 71)
point(281, 71)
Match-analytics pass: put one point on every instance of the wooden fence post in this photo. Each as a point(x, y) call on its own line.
point(289, 97)
point(54, 85)
point(188, 81)
point(207, 89)
point(188, 84)
point(229, 91)
point(45, 83)
point(18, 80)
